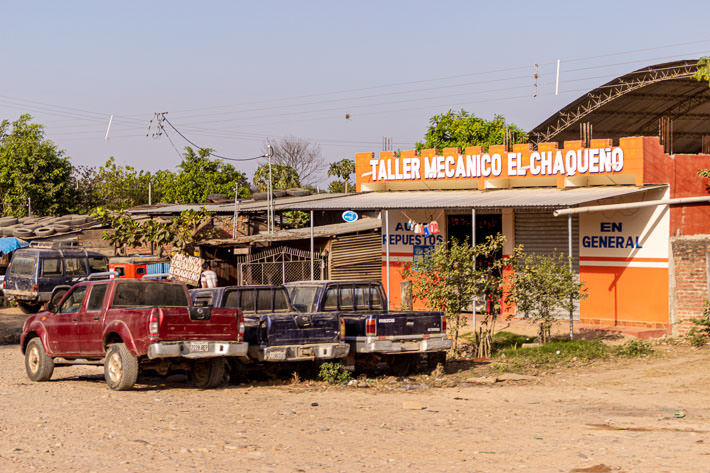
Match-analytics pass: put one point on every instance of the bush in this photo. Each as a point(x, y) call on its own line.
point(334, 373)
point(634, 348)
point(699, 334)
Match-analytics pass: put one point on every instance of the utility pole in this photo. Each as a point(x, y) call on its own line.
point(270, 195)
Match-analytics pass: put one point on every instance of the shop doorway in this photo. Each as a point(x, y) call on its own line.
point(459, 227)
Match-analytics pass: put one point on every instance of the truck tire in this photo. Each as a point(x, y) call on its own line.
point(29, 307)
point(436, 358)
point(403, 365)
point(209, 373)
point(38, 364)
point(120, 368)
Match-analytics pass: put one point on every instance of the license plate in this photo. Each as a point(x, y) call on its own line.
point(306, 351)
point(199, 346)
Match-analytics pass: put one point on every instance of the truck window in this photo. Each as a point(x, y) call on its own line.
point(149, 294)
point(96, 298)
point(98, 264)
point(51, 267)
point(362, 297)
point(247, 301)
point(75, 267)
point(263, 302)
point(232, 300)
point(72, 303)
point(280, 301)
point(331, 299)
point(22, 266)
point(376, 298)
point(346, 298)
point(303, 299)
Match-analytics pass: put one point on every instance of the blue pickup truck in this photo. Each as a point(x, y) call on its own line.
point(274, 330)
point(375, 334)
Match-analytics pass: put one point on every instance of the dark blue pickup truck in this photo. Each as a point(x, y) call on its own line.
point(374, 333)
point(276, 332)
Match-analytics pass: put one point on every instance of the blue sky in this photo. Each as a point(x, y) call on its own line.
point(231, 74)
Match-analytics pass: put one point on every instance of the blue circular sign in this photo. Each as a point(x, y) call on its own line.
point(350, 216)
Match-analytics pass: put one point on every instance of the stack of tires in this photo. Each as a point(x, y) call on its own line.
point(42, 227)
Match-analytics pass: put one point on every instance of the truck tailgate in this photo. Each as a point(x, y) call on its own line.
point(405, 323)
point(301, 329)
point(176, 324)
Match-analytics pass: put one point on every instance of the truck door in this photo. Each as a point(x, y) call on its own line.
point(90, 324)
point(64, 337)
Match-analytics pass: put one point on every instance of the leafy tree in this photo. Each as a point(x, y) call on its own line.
point(447, 280)
point(304, 157)
point(540, 285)
point(84, 182)
point(703, 72)
point(198, 177)
point(122, 186)
point(342, 170)
point(31, 167)
point(282, 177)
point(462, 129)
point(126, 231)
point(158, 234)
point(188, 228)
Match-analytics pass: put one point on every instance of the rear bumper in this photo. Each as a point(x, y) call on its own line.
point(399, 344)
point(314, 351)
point(27, 296)
point(196, 349)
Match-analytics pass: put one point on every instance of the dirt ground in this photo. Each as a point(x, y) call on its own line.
point(639, 415)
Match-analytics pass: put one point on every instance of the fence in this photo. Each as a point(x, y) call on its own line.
point(279, 272)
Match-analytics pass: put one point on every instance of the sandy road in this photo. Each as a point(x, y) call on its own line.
point(609, 417)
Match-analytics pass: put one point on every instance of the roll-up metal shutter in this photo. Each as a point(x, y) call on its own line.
point(542, 233)
point(356, 257)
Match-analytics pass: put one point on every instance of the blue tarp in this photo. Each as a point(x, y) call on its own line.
point(10, 244)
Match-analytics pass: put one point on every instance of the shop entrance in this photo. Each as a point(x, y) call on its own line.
point(459, 227)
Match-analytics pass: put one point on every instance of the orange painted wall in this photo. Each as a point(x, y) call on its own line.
point(625, 296)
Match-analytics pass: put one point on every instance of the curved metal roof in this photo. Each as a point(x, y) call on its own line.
point(634, 104)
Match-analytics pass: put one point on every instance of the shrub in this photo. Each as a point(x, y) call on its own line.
point(333, 373)
point(634, 348)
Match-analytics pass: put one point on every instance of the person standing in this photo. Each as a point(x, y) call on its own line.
point(208, 277)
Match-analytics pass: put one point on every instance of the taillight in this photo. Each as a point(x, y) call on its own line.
point(3, 285)
point(342, 328)
point(153, 322)
point(371, 327)
point(35, 288)
point(443, 324)
point(241, 331)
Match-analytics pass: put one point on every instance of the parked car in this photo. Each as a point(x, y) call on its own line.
point(375, 334)
point(129, 326)
point(35, 271)
point(275, 331)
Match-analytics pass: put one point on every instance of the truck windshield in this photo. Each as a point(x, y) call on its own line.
point(149, 294)
point(303, 299)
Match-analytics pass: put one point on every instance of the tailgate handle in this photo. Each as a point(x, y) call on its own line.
point(96, 318)
point(75, 319)
point(200, 313)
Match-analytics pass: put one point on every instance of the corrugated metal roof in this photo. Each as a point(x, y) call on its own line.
point(364, 224)
point(549, 197)
point(246, 206)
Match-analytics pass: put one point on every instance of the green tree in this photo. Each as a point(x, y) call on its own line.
point(461, 129)
point(282, 177)
point(125, 232)
point(542, 285)
point(703, 72)
point(32, 168)
point(342, 169)
point(447, 280)
point(198, 177)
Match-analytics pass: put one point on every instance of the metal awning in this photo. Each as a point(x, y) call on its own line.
point(539, 197)
point(362, 225)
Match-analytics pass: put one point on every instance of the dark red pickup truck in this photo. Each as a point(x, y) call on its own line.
point(130, 325)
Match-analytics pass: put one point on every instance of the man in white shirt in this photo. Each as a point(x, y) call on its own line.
point(208, 278)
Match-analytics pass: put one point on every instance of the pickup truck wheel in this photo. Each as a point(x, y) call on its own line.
point(120, 368)
point(436, 358)
point(29, 308)
point(402, 365)
point(209, 373)
point(38, 364)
